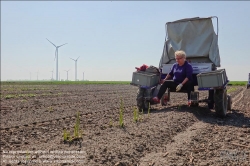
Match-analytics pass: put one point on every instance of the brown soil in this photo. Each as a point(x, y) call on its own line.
point(33, 118)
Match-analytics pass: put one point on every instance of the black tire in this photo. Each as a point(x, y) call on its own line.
point(142, 104)
point(229, 102)
point(194, 104)
point(194, 96)
point(140, 99)
point(220, 99)
point(211, 99)
point(211, 105)
point(165, 98)
point(146, 106)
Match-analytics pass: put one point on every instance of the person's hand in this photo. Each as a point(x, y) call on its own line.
point(178, 88)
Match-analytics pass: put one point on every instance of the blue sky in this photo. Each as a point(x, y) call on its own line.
point(111, 38)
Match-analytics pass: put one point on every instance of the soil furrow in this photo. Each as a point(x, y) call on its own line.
point(237, 97)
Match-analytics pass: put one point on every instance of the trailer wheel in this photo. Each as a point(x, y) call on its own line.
point(140, 99)
point(165, 99)
point(194, 96)
point(146, 106)
point(142, 104)
point(194, 104)
point(211, 105)
point(211, 99)
point(229, 102)
point(220, 99)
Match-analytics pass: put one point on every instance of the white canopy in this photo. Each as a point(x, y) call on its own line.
point(196, 37)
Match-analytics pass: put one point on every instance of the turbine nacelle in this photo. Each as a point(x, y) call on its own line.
point(75, 59)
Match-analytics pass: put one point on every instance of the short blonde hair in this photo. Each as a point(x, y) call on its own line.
point(180, 53)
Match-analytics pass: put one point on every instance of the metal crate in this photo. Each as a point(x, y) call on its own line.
point(145, 79)
point(212, 79)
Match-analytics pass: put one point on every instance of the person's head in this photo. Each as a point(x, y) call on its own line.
point(180, 57)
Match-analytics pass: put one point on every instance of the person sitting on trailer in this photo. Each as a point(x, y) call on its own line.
point(181, 74)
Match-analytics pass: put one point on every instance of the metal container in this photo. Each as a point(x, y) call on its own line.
point(145, 79)
point(212, 79)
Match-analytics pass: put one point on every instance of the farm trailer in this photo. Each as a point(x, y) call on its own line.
point(197, 37)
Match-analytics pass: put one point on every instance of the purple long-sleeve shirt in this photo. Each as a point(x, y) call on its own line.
point(179, 73)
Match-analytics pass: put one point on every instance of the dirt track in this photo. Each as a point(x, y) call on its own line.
point(33, 118)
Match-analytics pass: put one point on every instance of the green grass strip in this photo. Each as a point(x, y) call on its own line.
point(238, 83)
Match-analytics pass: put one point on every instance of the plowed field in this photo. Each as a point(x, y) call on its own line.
point(34, 117)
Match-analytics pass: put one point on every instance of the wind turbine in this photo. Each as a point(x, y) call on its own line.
point(75, 67)
point(56, 56)
point(67, 74)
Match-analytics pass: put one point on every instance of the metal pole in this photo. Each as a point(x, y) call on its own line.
point(57, 64)
point(76, 70)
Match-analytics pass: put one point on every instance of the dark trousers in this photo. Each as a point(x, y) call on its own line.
point(188, 86)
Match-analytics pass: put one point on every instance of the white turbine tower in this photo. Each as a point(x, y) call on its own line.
point(67, 74)
point(56, 56)
point(75, 67)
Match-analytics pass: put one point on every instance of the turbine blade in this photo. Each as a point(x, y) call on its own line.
point(77, 58)
point(51, 42)
point(61, 45)
point(72, 59)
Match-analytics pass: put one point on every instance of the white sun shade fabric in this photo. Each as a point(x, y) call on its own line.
point(195, 36)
